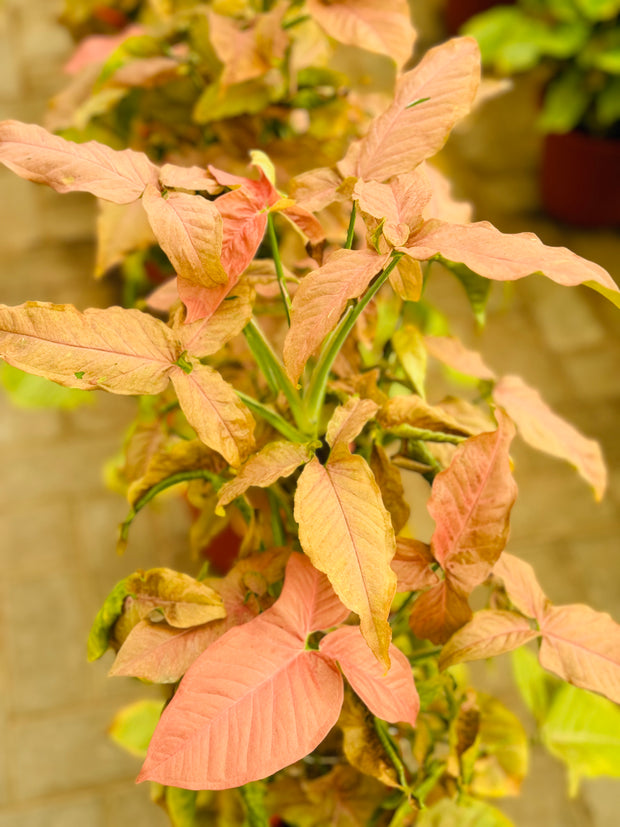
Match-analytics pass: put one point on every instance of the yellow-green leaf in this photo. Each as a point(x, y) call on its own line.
point(181, 600)
point(133, 726)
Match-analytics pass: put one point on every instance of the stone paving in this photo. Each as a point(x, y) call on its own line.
point(57, 766)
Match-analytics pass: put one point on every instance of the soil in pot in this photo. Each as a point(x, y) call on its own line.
point(580, 179)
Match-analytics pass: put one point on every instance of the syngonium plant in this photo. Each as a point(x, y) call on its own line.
point(326, 661)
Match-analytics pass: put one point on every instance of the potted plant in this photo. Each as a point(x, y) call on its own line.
point(318, 682)
point(576, 44)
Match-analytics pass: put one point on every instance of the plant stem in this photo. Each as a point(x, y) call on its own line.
point(423, 434)
point(351, 229)
point(274, 372)
point(318, 385)
point(277, 527)
point(273, 418)
point(275, 252)
point(390, 747)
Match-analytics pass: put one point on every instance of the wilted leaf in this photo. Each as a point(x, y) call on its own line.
point(521, 585)
point(275, 460)
point(194, 178)
point(438, 613)
point(321, 299)
point(215, 411)
point(582, 646)
point(348, 420)
point(548, 432)
point(108, 614)
point(471, 502)
point(413, 410)
point(385, 29)
point(390, 484)
point(504, 256)
point(133, 726)
point(189, 230)
point(122, 351)
point(429, 100)
point(488, 633)
point(390, 695)
point(346, 531)
point(583, 731)
point(412, 565)
point(35, 154)
point(455, 355)
point(360, 742)
point(181, 600)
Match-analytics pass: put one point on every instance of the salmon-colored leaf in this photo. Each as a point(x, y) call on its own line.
point(321, 299)
point(215, 411)
point(582, 646)
point(181, 600)
point(521, 585)
point(189, 230)
point(401, 202)
point(121, 229)
point(316, 189)
point(429, 100)
point(414, 411)
point(348, 420)
point(504, 256)
point(253, 703)
point(275, 460)
point(385, 29)
point(453, 353)
point(122, 351)
point(97, 48)
point(194, 178)
point(308, 602)
point(390, 695)
point(544, 430)
point(471, 502)
point(207, 336)
point(488, 633)
point(439, 612)
point(347, 532)
point(412, 565)
point(37, 155)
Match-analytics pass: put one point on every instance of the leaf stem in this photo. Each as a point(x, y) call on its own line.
point(275, 252)
point(272, 417)
point(351, 228)
point(274, 373)
point(423, 434)
point(390, 747)
point(318, 385)
point(277, 526)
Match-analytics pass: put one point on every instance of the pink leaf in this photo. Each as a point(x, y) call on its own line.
point(412, 128)
point(471, 502)
point(544, 430)
point(582, 646)
point(390, 695)
point(439, 612)
point(521, 585)
point(412, 565)
point(35, 154)
point(189, 230)
point(453, 353)
point(308, 602)
point(384, 28)
point(401, 202)
point(195, 178)
point(215, 411)
point(316, 189)
point(321, 299)
point(97, 48)
point(488, 634)
point(502, 256)
point(253, 703)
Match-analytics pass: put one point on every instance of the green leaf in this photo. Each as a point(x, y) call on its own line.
point(133, 727)
point(408, 344)
point(108, 614)
point(535, 685)
point(248, 98)
point(608, 103)
point(510, 41)
point(28, 391)
point(476, 287)
point(599, 9)
point(447, 813)
point(181, 806)
point(583, 730)
point(253, 795)
point(566, 102)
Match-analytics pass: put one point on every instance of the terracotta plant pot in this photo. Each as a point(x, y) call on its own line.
point(580, 179)
point(457, 12)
